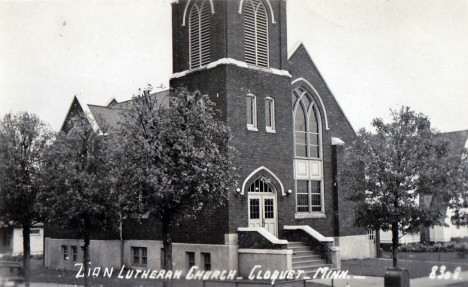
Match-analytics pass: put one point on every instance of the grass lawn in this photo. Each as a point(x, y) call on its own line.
point(417, 266)
point(40, 274)
point(431, 256)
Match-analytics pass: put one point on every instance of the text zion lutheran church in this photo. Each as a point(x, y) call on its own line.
point(289, 210)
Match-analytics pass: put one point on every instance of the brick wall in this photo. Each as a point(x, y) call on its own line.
point(227, 33)
point(302, 66)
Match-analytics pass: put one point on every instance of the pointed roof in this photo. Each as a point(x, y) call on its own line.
point(459, 140)
point(108, 117)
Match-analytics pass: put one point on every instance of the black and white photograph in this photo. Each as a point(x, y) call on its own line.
point(233, 143)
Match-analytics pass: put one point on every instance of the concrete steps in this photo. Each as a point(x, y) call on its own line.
point(306, 259)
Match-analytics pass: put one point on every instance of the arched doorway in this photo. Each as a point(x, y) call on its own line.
point(262, 205)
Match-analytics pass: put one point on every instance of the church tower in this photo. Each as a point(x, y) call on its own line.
point(236, 52)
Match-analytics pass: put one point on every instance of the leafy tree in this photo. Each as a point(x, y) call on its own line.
point(180, 154)
point(77, 190)
point(23, 139)
point(459, 204)
point(387, 172)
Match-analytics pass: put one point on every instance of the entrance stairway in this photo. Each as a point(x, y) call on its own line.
point(306, 259)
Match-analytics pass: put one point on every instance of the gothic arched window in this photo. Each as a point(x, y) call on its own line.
point(199, 29)
point(306, 125)
point(307, 153)
point(256, 33)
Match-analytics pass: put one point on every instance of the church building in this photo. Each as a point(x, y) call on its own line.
point(289, 210)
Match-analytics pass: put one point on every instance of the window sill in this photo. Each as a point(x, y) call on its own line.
point(252, 129)
point(309, 215)
point(271, 131)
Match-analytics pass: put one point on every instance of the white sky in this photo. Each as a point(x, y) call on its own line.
point(375, 55)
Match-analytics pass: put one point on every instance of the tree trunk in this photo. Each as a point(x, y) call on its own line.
point(121, 242)
point(377, 243)
point(86, 260)
point(26, 250)
point(167, 244)
point(395, 244)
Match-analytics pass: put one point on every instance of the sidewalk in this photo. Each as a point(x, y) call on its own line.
point(365, 281)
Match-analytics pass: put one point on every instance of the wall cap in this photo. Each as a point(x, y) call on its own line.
point(312, 232)
point(230, 61)
point(265, 233)
point(266, 251)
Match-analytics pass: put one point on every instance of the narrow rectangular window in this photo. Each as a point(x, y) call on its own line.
point(35, 231)
point(254, 208)
point(190, 260)
point(302, 195)
point(206, 261)
point(65, 252)
point(144, 256)
point(74, 250)
point(316, 195)
point(136, 255)
point(251, 104)
point(270, 114)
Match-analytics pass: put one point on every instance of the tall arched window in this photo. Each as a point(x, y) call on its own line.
point(256, 33)
point(306, 125)
point(199, 29)
point(308, 154)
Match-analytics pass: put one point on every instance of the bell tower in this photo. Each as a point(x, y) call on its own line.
point(249, 31)
point(236, 52)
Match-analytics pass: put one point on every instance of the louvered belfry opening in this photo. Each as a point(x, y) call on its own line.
point(256, 33)
point(199, 29)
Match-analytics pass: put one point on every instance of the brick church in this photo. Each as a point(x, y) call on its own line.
point(289, 211)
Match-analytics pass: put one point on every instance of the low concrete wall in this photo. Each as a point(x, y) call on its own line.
point(269, 259)
point(103, 253)
point(354, 247)
point(106, 253)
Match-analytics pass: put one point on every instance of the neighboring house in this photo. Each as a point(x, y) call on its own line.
point(289, 132)
point(459, 140)
point(386, 237)
point(11, 240)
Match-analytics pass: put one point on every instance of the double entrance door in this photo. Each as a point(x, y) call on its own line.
point(262, 211)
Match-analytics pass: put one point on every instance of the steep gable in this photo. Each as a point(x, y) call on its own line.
point(305, 73)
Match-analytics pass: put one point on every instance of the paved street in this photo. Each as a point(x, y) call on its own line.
point(358, 281)
point(364, 281)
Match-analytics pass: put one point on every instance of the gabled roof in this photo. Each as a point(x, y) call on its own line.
point(300, 50)
point(105, 118)
point(459, 140)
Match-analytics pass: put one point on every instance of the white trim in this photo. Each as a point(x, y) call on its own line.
point(230, 61)
point(89, 116)
point(261, 196)
point(312, 232)
point(292, 51)
point(257, 170)
point(186, 8)
point(269, 5)
point(253, 125)
point(318, 95)
point(337, 141)
point(112, 99)
point(294, 48)
point(309, 215)
point(265, 233)
point(266, 251)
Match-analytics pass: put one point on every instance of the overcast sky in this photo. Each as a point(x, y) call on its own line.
point(375, 55)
